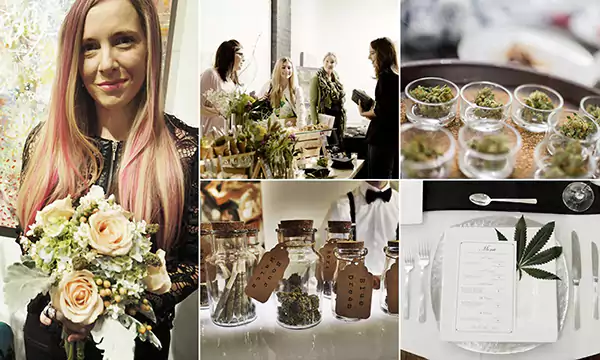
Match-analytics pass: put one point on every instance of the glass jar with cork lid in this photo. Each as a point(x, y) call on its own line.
point(205, 251)
point(254, 245)
point(298, 295)
point(389, 300)
point(336, 231)
point(232, 263)
point(352, 282)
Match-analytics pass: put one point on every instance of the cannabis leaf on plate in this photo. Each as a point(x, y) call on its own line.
point(529, 255)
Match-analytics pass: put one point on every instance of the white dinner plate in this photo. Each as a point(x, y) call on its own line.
point(552, 52)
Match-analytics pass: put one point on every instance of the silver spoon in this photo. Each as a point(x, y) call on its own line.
point(485, 200)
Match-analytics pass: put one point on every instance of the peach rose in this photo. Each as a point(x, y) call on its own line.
point(77, 298)
point(158, 280)
point(52, 213)
point(109, 233)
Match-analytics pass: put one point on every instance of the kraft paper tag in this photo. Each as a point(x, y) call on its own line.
point(391, 284)
point(329, 261)
point(268, 273)
point(354, 289)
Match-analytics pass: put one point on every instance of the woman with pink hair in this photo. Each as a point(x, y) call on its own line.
point(106, 126)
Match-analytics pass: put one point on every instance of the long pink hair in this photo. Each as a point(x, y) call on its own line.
point(66, 161)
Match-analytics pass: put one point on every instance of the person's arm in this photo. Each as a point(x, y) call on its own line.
point(367, 114)
point(314, 99)
point(208, 81)
point(262, 93)
point(183, 264)
point(338, 211)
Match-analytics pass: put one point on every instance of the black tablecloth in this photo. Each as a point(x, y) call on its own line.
point(454, 195)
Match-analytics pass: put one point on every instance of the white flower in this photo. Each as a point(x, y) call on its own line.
point(59, 211)
point(158, 280)
point(46, 254)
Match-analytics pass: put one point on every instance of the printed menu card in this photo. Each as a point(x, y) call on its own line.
point(482, 298)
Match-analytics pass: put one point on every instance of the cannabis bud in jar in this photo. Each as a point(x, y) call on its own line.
point(567, 162)
point(490, 145)
point(577, 127)
point(538, 100)
point(433, 95)
point(486, 98)
point(593, 110)
point(297, 307)
point(419, 149)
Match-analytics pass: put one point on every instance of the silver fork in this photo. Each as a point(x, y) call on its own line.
point(423, 263)
point(409, 264)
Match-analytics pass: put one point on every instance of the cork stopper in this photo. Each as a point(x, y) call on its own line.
point(339, 227)
point(227, 226)
point(356, 245)
point(295, 227)
point(393, 245)
point(205, 228)
point(252, 228)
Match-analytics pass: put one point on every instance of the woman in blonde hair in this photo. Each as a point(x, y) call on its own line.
point(106, 126)
point(285, 95)
point(327, 97)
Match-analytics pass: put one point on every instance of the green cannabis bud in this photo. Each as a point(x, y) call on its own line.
point(80, 263)
point(577, 128)
point(419, 149)
point(486, 98)
point(491, 145)
point(538, 100)
point(152, 260)
point(567, 162)
point(297, 307)
point(433, 95)
point(593, 110)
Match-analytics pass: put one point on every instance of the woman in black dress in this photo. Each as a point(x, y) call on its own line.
point(327, 97)
point(384, 127)
point(106, 126)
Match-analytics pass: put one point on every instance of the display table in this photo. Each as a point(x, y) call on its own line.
point(376, 338)
point(423, 339)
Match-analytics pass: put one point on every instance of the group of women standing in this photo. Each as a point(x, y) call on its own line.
point(327, 96)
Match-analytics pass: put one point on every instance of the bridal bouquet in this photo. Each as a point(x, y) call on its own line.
point(95, 260)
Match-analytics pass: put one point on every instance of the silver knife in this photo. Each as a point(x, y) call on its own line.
point(595, 277)
point(576, 264)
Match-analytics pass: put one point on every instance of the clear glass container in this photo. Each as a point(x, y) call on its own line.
point(392, 253)
point(427, 152)
point(254, 245)
point(570, 161)
point(232, 261)
point(471, 112)
point(298, 295)
point(529, 117)
point(205, 251)
point(488, 154)
point(590, 105)
point(562, 130)
point(347, 252)
point(336, 231)
point(427, 113)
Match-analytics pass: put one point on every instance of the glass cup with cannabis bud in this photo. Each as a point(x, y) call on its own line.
point(572, 161)
point(431, 101)
point(590, 106)
point(534, 105)
point(488, 154)
point(426, 152)
point(485, 100)
point(568, 125)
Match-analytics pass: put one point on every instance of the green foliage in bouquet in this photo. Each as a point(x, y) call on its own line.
point(530, 255)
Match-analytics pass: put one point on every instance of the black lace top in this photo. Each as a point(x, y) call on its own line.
point(182, 261)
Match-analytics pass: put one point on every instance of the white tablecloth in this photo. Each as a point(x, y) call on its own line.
point(423, 338)
point(375, 338)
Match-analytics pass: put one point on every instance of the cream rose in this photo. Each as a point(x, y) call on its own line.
point(56, 211)
point(158, 281)
point(77, 298)
point(109, 233)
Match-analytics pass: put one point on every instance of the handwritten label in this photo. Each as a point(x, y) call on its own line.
point(329, 261)
point(354, 289)
point(391, 284)
point(268, 273)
